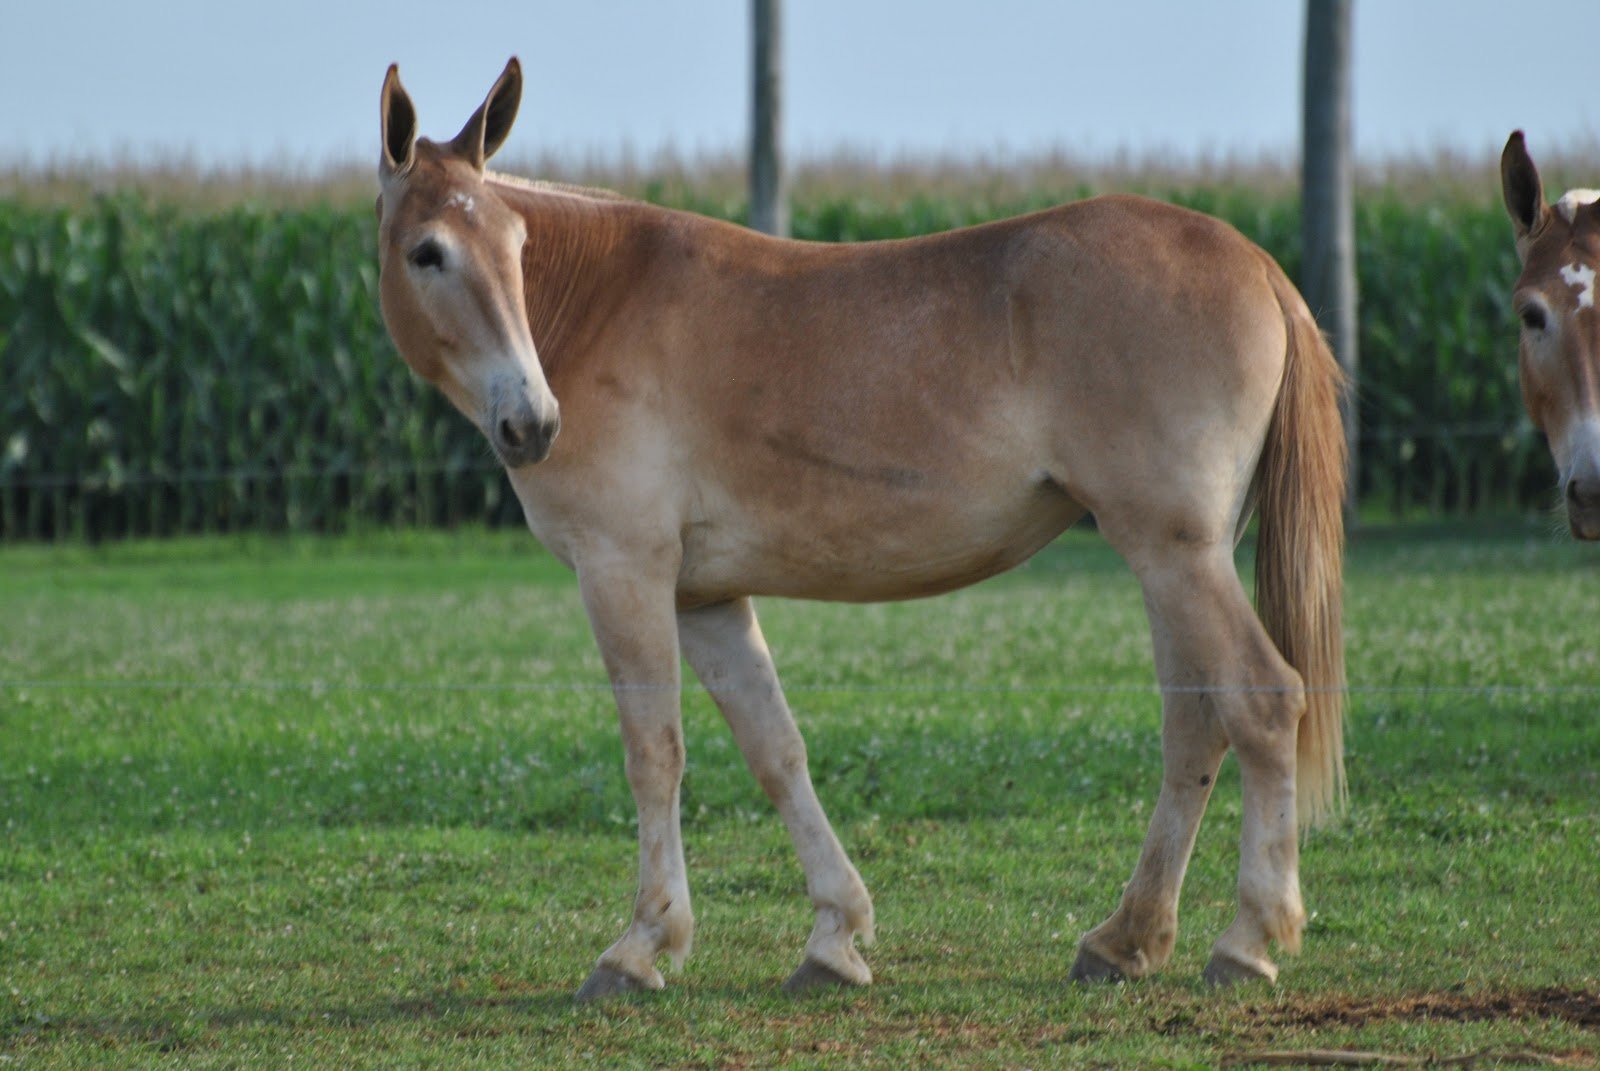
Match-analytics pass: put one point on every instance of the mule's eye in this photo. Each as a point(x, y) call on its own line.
point(427, 254)
point(1532, 316)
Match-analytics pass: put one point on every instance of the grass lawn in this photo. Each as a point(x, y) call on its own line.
point(359, 802)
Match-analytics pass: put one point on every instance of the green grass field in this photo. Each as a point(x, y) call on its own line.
point(359, 802)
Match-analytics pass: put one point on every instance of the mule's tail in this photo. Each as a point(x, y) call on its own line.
point(1300, 548)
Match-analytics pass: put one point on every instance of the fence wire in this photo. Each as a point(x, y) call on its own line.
point(109, 684)
point(112, 480)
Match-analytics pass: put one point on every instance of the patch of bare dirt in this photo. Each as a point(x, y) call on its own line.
point(1568, 1005)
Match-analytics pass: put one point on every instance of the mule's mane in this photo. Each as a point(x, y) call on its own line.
point(565, 189)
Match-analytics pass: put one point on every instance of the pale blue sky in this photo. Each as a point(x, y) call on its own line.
point(297, 80)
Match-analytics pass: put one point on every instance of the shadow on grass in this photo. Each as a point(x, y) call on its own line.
point(1171, 1007)
point(463, 1015)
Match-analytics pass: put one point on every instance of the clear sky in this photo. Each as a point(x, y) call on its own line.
point(296, 81)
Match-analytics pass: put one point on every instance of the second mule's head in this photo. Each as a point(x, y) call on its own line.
point(450, 271)
point(1559, 360)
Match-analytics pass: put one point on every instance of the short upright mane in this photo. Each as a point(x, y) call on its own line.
point(568, 189)
point(1572, 200)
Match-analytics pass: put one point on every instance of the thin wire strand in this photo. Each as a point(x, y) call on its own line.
point(15, 684)
point(113, 481)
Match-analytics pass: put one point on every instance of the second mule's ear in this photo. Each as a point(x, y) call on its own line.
point(398, 119)
point(489, 126)
point(1520, 186)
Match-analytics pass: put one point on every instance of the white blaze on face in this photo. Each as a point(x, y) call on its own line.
point(460, 200)
point(1582, 277)
point(1578, 451)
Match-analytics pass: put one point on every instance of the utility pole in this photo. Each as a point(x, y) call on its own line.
point(1327, 202)
point(769, 198)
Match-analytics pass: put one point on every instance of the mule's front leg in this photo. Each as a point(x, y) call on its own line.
point(724, 645)
point(634, 624)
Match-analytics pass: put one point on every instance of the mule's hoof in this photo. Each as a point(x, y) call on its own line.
point(606, 981)
point(1090, 969)
point(814, 977)
point(1224, 971)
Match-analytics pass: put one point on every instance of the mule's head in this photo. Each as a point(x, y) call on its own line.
point(1559, 360)
point(450, 271)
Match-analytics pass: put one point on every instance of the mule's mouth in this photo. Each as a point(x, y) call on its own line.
point(1582, 494)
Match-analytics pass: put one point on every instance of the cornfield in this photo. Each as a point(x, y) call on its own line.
point(166, 370)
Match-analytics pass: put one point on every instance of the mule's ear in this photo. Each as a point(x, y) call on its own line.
point(1519, 184)
point(398, 119)
point(489, 126)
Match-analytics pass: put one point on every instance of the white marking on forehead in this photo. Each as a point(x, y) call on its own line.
point(1568, 205)
point(462, 200)
point(1581, 276)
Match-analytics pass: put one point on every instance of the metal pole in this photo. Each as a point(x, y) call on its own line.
point(1328, 275)
point(769, 201)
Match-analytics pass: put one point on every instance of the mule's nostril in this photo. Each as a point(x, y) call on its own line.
point(1583, 494)
point(509, 435)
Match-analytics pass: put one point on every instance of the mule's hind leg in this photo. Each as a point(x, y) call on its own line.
point(1224, 684)
point(724, 645)
point(1139, 936)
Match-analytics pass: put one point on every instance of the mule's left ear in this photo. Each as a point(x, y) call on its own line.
point(1520, 186)
point(489, 126)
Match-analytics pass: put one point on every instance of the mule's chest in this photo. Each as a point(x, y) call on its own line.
point(550, 525)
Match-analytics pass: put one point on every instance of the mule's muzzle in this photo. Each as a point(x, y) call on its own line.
point(1583, 507)
point(521, 435)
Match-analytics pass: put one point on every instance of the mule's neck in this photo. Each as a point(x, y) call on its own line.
point(582, 252)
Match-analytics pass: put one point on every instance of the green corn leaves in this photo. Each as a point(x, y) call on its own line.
point(167, 371)
point(164, 372)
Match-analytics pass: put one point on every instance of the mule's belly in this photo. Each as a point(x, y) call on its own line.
point(889, 547)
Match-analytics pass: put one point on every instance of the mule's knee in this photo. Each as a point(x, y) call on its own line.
point(654, 761)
